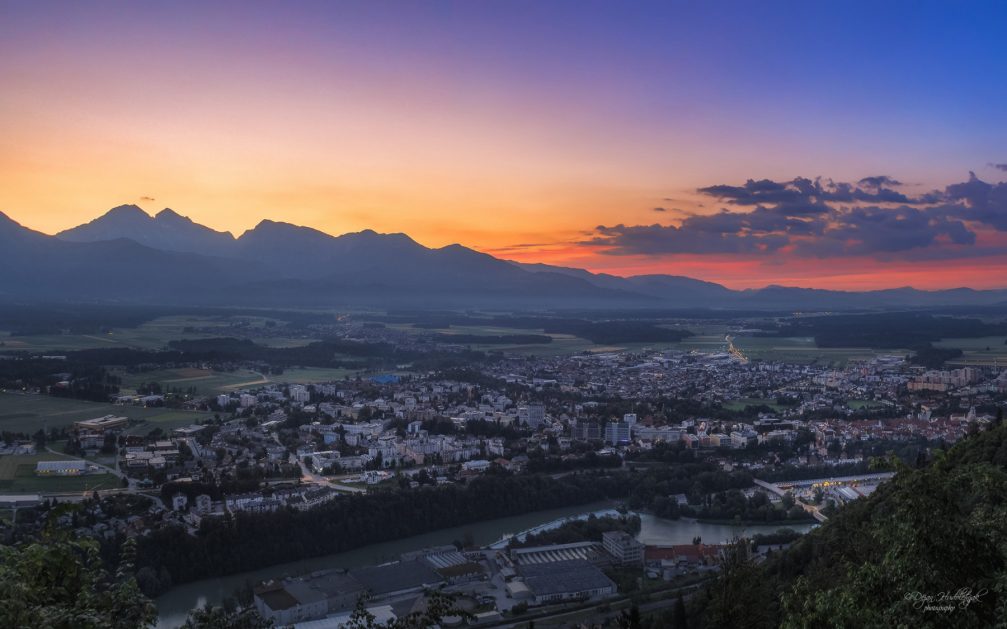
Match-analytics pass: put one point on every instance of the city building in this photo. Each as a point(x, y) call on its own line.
point(61, 468)
point(617, 433)
point(101, 424)
point(566, 580)
point(623, 547)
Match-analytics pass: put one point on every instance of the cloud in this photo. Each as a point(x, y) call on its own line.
point(999, 166)
point(879, 181)
point(148, 199)
point(824, 218)
point(660, 209)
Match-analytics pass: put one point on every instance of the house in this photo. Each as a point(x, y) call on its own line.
point(682, 558)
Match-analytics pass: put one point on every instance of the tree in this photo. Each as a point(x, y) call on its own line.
point(678, 618)
point(39, 437)
point(61, 583)
point(738, 597)
point(630, 619)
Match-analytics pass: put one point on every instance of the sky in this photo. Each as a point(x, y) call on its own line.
point(846, 145)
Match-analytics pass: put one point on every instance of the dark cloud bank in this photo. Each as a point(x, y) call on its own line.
point(825, 218)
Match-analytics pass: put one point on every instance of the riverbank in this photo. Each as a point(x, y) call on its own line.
point(782, 524)
point(174, 605)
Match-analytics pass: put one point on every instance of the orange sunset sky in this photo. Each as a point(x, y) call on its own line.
point(597, 139)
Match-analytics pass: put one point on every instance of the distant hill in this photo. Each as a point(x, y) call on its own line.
point(167, 230)
point(129, 255)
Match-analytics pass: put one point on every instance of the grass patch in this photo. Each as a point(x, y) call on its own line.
point(207, 382)
point(27, 413)
point(741, 403)
point(154, 334)
point(859, 404)
point(985, 350)
point(312, 375)
point(204, 381)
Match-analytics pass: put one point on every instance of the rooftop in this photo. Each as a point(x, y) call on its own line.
point(559, 577)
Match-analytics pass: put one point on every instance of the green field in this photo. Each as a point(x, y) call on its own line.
point(205, 381)
point(860, 404)
point(17, 475)
point(154, 334)
point(986, 350)
point(741, 403)
point(208, 382)
point(312, 375)
point(28, 413)
point(800, 350)
point(561, 343)
point(803, 350)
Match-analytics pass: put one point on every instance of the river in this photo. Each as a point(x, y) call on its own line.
point(174, 605)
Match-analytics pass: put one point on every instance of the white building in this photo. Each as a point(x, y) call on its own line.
point(623, 547)
point(299, 393)
point(179, 502)
point(61, 468)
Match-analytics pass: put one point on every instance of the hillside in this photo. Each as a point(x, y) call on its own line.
point(927, 549)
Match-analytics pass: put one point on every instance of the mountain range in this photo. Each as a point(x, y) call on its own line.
point(126, 255)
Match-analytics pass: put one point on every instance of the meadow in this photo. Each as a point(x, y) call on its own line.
point(740, 403)
point(562, 344)
point(154, 334)
point(27, 413)
point(205, 381)
point(984, 350)
point(209, 382)
point(797, 349)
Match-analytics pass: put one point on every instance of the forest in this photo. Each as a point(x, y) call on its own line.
point(248, 541)
point(940, 528)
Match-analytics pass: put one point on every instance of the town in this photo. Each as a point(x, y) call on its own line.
point(799, 441)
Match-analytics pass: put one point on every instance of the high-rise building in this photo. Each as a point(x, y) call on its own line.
point(617, 433)
point(532, 415)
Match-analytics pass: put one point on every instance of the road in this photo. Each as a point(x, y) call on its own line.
point(307, 476)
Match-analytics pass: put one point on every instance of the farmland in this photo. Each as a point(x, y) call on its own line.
point(209, 382)
point(985, 350)
point(28, 413)
point(154, 334)
point(800, 350)
point(204, 381)
point(561, 343)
